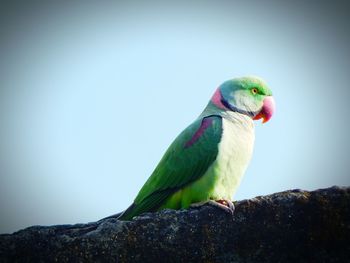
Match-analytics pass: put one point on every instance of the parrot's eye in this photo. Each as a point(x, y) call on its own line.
point(254, 91)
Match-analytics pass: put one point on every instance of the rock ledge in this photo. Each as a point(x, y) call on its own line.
point(291, 226)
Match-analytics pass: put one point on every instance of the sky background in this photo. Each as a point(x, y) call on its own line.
point(91, 96)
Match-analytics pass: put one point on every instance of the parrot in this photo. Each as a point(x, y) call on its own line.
point(206, 161)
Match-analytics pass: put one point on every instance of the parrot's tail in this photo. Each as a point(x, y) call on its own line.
point(112, 216)
point(128, 214)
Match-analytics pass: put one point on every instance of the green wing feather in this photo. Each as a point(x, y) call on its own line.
point(182, 164)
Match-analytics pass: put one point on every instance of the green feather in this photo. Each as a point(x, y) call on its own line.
point(179, 167)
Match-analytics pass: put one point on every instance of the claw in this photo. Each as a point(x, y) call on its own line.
point(226, 205)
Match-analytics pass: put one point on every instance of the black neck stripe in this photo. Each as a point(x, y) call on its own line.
point(235, 109)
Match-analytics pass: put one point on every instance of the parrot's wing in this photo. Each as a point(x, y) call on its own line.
point(186, 160)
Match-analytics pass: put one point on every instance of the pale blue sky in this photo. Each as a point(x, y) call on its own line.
point(92, 95)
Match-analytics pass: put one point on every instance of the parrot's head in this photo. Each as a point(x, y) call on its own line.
point(247, 95)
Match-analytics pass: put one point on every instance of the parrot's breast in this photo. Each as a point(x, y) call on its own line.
point(235, 151)
point(224, 175)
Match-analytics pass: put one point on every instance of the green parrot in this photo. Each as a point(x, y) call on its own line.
point(207, 160)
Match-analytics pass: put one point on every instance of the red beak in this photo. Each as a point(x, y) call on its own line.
point(267, 110)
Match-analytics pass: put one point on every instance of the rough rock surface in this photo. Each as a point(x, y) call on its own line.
point(292, 226)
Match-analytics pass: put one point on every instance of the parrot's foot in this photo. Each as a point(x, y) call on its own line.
point(226, 205)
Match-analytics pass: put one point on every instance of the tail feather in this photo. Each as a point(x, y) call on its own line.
point(132, 211)
point(129, 213)
point(117, 215)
